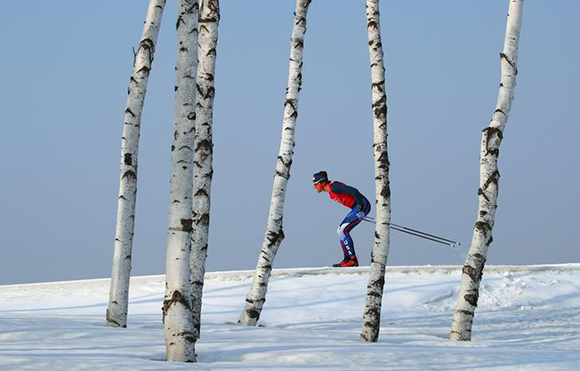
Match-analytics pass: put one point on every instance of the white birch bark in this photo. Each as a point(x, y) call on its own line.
point(488, 182)
point(209, 16)
point(372, 313)
point(274, 231)
point(179, 331)
point(121, 273)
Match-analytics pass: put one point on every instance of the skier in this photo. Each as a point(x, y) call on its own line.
point(351, 198)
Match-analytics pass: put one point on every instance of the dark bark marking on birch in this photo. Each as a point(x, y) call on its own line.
point(213, 52)
point(379, 85)
point(251, 301)
point(489, 132)
point(374, 324)
point(375, 294)
point(187, 336)
point(179, 22)
point(466, 312)
point(384, 160)
point(186, 225)
point(201, 192)
point(204, 145)
point(287, 164)
point(463, 337)
point(291, 103)
point(147, 45)
point(144, 69)
point(472, 298)
point(493, 178)
point(112, 321)
point(285, 167)
point(129, 174)
point(184, 147)
point(480, 192)
point(203, 220)
point(210, 93)
point(267, 267)
point(252, 313)
point(378, 45)
point(380, 108)
point(479, 264)
point(386, 191)
point(483, 227)
point(476, 272)
point(471, 272)
point(177, 297)
point(197, 327)
point(379, 284)
point(128, 110)
point(503, 56)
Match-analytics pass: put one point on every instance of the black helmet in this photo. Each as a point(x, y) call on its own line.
point(320, 176)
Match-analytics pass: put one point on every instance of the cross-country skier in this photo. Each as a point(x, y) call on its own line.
point(359, 208)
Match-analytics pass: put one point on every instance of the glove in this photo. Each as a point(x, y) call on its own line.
point(360, 215)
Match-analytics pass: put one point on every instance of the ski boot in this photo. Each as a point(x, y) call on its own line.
point(349, 261)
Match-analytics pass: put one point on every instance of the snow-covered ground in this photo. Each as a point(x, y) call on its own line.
point(528, 319)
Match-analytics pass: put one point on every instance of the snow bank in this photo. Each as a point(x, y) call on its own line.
point(528, 318)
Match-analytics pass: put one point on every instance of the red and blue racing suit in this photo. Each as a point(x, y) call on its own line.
point(353, 199)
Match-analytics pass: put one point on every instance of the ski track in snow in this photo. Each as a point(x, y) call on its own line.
point(528, 319)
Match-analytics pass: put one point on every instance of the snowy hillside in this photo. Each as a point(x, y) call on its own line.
point(528, 319)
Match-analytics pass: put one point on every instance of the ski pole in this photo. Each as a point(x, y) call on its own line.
point(418, 233)
point(422, 234)
point(426, 234)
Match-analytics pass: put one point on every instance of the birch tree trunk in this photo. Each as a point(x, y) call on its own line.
point(372, 313)
point(179, 331)
point(119, 292)
point(274, 231)
point(209, 16)
point(489, 180)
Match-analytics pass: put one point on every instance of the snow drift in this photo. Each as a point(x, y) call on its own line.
point(528, 318)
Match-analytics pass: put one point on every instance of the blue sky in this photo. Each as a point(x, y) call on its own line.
point(63, 78)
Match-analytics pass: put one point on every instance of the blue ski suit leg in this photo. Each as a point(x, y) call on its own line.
point(349, 222)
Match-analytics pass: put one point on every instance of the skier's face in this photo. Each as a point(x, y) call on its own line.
point(319, 187)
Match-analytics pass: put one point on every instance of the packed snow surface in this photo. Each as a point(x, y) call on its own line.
point(528, 319)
